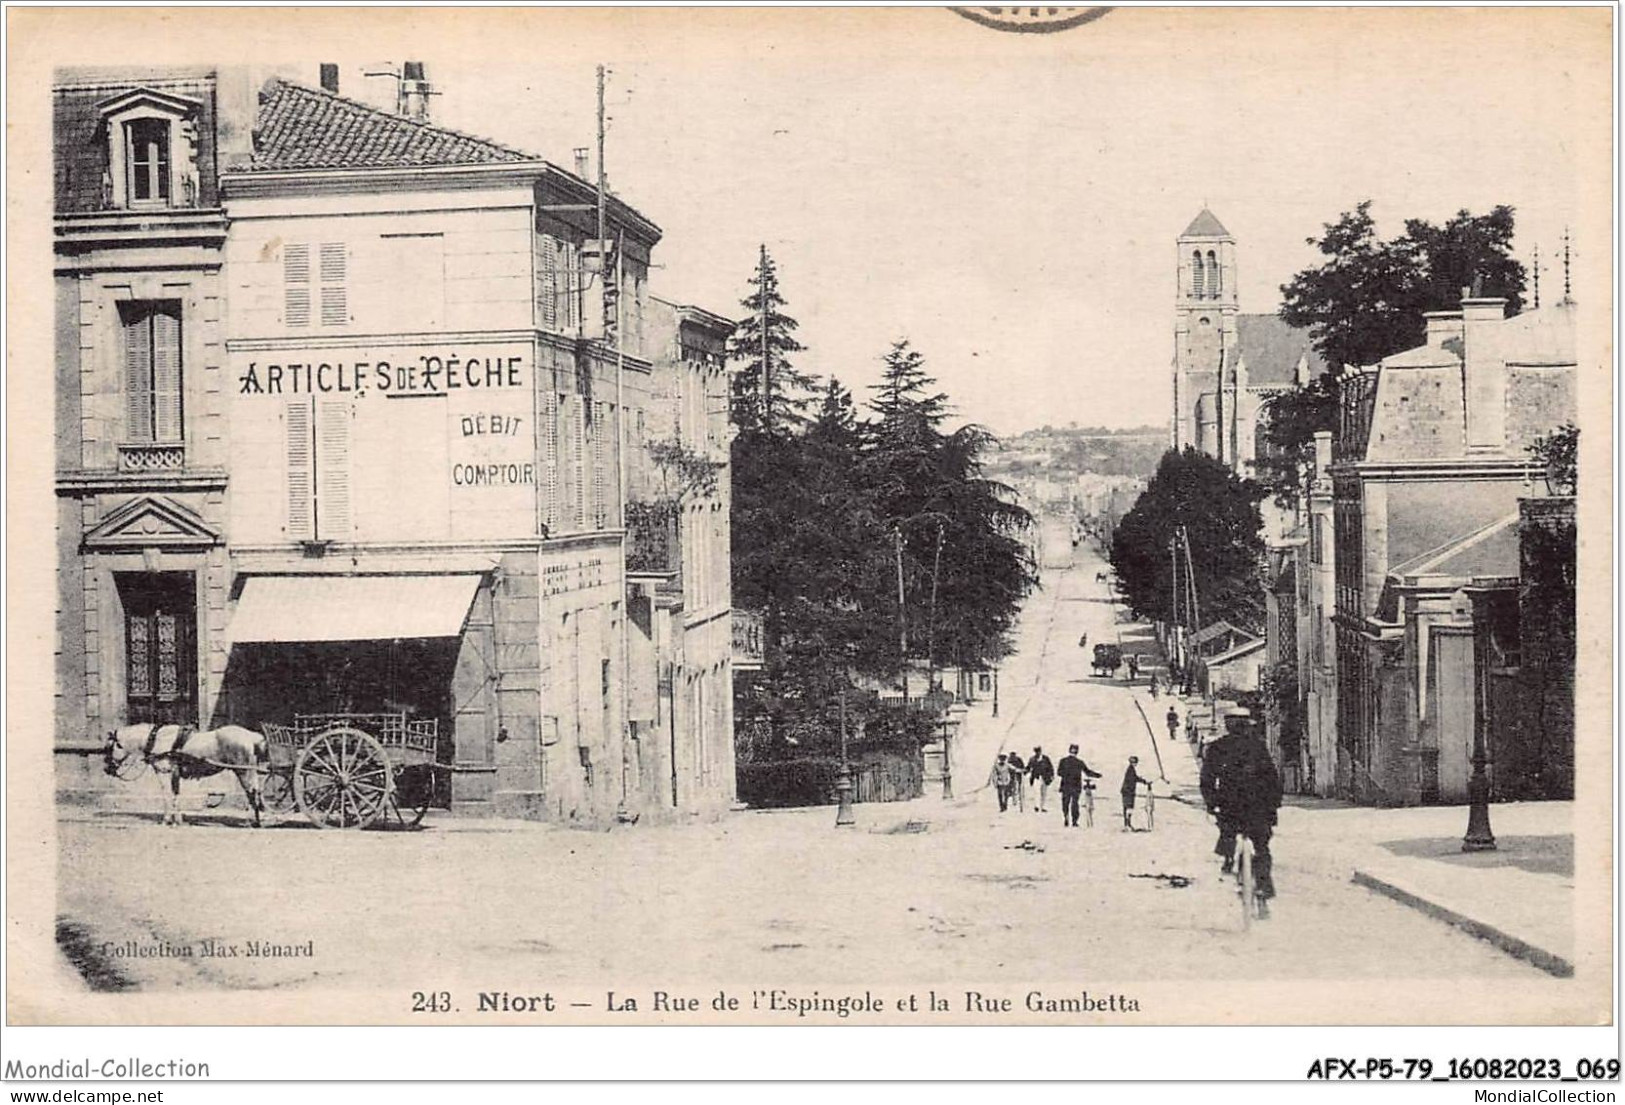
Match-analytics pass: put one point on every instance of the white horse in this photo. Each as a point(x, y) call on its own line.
point(185, 753)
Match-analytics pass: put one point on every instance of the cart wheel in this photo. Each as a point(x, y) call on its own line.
point(342, 779)
point(277, 790)
point(414, 791)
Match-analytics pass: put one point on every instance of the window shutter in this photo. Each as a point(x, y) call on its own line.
point(578, 460)
point(335, 298)
point(333, 470)
point(567, 264)
point(138, 375)
point(167, 403)
point(600, 485)
point(296, 419)
point(547, 295)
point(550, 460)
point(296, 285)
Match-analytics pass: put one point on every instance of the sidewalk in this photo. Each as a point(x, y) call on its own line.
point(1519, 897)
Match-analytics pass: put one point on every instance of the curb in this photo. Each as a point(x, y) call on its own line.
point(1518, 948)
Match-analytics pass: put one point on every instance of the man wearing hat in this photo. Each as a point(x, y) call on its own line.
point(1071, 769)
point(1042, 774)
point(1131, 788)
point(1242, 790)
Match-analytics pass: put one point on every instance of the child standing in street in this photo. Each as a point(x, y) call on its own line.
point(1131, 787)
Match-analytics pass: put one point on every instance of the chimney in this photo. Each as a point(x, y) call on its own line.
point(1484, 373)
point(1442, 325)
point(330, 77)
point(415, 91)
point(581, 161)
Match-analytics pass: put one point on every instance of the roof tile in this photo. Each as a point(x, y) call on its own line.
point(307, 128)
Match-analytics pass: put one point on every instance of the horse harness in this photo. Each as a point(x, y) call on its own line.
point(183, 733)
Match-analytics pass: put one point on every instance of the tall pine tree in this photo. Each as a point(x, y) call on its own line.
point(964, 572)
point(769, 394)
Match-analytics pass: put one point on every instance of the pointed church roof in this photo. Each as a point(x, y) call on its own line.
point(1205, 225)
point(1273, 350)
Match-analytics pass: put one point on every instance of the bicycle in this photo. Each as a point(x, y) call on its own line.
point(1246, 882)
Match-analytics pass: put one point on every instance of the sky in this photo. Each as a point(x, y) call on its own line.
point(1009, 203)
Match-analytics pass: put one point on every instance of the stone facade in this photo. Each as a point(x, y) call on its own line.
point(141, 403)
point(1431, 462)
point(387, 371)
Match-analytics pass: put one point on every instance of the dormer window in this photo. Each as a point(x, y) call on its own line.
point(151, 150)
point(147, 143)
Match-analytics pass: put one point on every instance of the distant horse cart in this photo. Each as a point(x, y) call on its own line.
point(346, 771)
point(1107, 659)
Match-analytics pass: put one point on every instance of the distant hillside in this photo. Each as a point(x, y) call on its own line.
point(1080, 449)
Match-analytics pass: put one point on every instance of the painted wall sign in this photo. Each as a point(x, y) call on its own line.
point(427, 374)
point(455, 460)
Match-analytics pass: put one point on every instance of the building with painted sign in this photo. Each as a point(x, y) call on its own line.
point(410, 497)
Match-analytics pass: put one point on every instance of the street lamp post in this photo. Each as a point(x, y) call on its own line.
point(843, 785)
point(1479, 838)
point(947, 763)
point(995, 692)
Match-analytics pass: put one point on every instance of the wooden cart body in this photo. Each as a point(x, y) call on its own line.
point(351, 770)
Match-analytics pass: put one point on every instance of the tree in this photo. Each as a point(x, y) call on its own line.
point(1218, 514)
point(1366, 301)
point(1286, 434)
point(1558, 454)
point(955, 533)
point(769, 394)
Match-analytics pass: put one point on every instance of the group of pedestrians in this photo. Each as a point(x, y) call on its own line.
point(1012, 776)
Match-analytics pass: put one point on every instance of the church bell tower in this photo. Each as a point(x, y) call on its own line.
point(1205, 309)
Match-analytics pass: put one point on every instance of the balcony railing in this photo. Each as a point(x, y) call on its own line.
point(652, 546)
point(747, 639)
point(152, 457)
point(1357, 401)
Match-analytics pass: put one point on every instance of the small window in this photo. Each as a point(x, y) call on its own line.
point(296, 285)
point(147, 142)
point(335, 298)
point(152, 371)
point(325, 289)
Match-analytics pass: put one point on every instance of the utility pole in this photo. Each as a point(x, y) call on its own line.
point(1194, 609)
point(620, 411)
point(902, 615)
point(1173, 558)
point(602, 272)
point(767, 372)
point(931, 627)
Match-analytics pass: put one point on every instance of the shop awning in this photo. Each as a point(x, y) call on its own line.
point(288, 609)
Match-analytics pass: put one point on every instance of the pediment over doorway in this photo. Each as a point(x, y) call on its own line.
point(151, 521)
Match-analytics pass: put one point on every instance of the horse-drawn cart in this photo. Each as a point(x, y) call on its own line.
point(345, 771)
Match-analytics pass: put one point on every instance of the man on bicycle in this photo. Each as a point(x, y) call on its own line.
point(1242, 790)
point(1072, 771)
